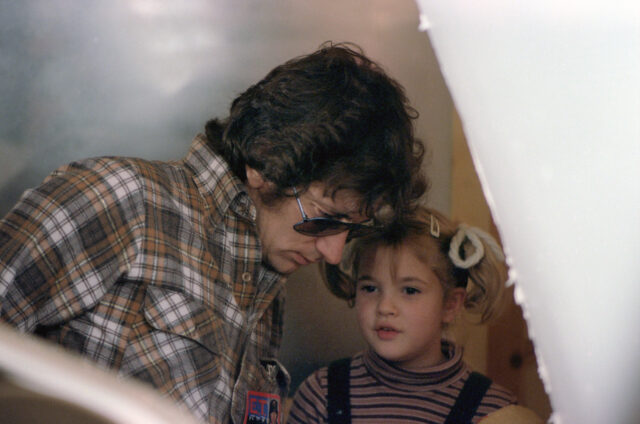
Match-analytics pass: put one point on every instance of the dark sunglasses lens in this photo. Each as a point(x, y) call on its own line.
point(321, 227)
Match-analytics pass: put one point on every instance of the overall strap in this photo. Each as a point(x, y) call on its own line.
point(338, 407)
point(469, 399)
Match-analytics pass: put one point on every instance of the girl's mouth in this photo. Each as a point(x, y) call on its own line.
point(386, 333)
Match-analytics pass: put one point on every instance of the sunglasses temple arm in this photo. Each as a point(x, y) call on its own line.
point(302, 212)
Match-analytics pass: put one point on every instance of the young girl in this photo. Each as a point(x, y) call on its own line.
point(407, 285)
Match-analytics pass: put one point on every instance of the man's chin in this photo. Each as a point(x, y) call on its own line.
point(282, 266)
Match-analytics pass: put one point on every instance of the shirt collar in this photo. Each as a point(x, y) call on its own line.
point(217, 184)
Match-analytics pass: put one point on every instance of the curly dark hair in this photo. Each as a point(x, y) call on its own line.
point(333, 116)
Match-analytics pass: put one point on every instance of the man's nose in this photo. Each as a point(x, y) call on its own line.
point(331, 247)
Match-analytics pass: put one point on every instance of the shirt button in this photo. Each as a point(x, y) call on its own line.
point(246, 277)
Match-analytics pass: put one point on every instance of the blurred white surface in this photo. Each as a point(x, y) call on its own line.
point(33, 370)
point(549, 96)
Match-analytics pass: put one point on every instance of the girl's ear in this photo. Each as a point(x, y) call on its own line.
point(453, 304)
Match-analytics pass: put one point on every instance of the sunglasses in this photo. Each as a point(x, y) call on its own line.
point(322, 226)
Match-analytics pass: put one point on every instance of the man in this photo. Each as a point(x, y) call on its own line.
point(173, 272)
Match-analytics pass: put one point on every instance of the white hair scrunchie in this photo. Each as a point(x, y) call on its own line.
point(474, 235)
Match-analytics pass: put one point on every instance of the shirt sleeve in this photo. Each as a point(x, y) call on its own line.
point(66, 242)
point(310, 400)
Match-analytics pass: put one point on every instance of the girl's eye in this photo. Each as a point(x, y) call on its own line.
point(411, 290)
point(367, 288)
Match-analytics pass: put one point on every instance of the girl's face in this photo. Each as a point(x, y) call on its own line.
point(401, 308)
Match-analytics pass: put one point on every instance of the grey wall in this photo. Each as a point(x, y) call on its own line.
point(141, 77)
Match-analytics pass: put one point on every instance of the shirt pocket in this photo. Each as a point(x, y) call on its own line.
point(176, 347)
point(178, 313)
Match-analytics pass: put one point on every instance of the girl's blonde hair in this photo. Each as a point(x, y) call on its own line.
point(459, 255)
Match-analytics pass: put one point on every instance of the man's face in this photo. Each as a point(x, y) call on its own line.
point(286, 250)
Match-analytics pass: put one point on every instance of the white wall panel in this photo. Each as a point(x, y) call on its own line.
point(549, 95)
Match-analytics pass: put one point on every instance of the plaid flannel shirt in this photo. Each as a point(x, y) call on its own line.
point(154, 269)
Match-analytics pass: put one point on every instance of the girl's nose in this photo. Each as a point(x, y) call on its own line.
point(386, 305)
point(331, 247)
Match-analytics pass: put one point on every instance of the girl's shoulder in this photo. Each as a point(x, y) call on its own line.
point(496, 396)
point(309, 404)
point(320, 377)
point(500, 394)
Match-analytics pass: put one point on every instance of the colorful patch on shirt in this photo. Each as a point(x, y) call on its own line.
point(262, 408)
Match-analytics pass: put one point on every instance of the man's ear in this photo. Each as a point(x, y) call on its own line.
point(254, 178)
point(453, 304)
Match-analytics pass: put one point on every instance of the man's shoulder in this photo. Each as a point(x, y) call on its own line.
point(113, 180)
point(106, 165)
point(119, 171)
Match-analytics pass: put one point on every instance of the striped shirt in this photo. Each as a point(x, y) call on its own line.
point(382, 393)
point(152, 268)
